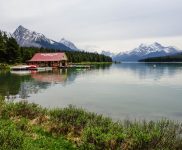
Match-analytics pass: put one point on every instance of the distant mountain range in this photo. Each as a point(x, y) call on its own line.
point(68, 44)
point(144, 51)
point(108, 53)
point(28, 38)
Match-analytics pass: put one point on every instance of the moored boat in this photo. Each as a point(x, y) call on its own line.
point(32, 67)
point(20, 67)
point(24, 67)
point(22, 72)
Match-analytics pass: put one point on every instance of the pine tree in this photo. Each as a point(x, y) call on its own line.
point(12, 51)
point(2, 47)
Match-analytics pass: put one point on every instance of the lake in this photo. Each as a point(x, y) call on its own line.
point(121, 91)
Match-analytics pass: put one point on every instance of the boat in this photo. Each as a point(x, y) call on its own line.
point(44, 69)
point(154, 66)
point(32, 67)
point(22, 72)
point(20, 67)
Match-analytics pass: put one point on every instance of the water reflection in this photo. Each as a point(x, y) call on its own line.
point(127, 90)
point(20, 84)
point(52, 77)
point(10, 83)
point(155, 71)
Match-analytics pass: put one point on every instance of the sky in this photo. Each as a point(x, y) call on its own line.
point(96, 25)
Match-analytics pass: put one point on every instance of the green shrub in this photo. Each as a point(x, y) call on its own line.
point(98, 132)
point(97, 138)
point(23, 109)
point(48, 143)
point(70, 115)
point(21, 123)
point(10, 137)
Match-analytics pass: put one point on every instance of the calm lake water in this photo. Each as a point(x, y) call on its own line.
point(120, 91)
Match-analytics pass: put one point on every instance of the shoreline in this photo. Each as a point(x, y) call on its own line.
point(76, 128)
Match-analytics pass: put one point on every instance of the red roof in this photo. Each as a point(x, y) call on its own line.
point(48, 57)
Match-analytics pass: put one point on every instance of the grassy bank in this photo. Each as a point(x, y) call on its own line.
point(29, 126)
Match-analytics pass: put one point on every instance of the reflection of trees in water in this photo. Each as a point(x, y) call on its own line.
point(10, 83)
point(21, 86)
point(44, 80)
point(32, 87)
point(73, 73)
point(41, 81)
point(151, 70)
point(14, 86)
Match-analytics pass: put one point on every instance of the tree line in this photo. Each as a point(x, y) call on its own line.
point(80, 56)
point(9, 49)
point(11, 52)
point(172, 58)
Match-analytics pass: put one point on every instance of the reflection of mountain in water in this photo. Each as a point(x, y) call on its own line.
point(22, 84)
point(151, 70)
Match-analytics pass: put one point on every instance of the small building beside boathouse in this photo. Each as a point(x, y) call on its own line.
point(49, 60)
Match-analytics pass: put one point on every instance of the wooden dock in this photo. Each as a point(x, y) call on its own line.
point(76, 66)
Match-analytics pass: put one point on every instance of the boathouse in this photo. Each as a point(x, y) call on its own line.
point(49, 60)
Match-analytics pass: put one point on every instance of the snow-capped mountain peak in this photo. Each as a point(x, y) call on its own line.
point(21, 28)
point(6, 33)
point(142, 45)
point(68, 44)
point(156, 46)
point(28, 38)
point(146, 51)
point(108, 53)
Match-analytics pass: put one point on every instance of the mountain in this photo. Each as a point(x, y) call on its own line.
point(108, 53)
point(146, 51)
point(68, 44)
point(27, 38)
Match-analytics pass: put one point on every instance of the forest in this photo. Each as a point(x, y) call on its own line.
point(11, 52)
point(172, 58)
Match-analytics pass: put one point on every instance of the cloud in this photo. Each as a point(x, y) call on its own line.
point(98, 21)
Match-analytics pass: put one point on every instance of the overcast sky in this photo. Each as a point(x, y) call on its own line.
point(115, 25)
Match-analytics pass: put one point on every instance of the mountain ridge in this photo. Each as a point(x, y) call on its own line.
point(68, 44)
point(146, 51)
point(28, 38)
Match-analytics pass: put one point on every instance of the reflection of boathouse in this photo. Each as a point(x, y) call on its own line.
point(49, 60)
point(50, 77)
